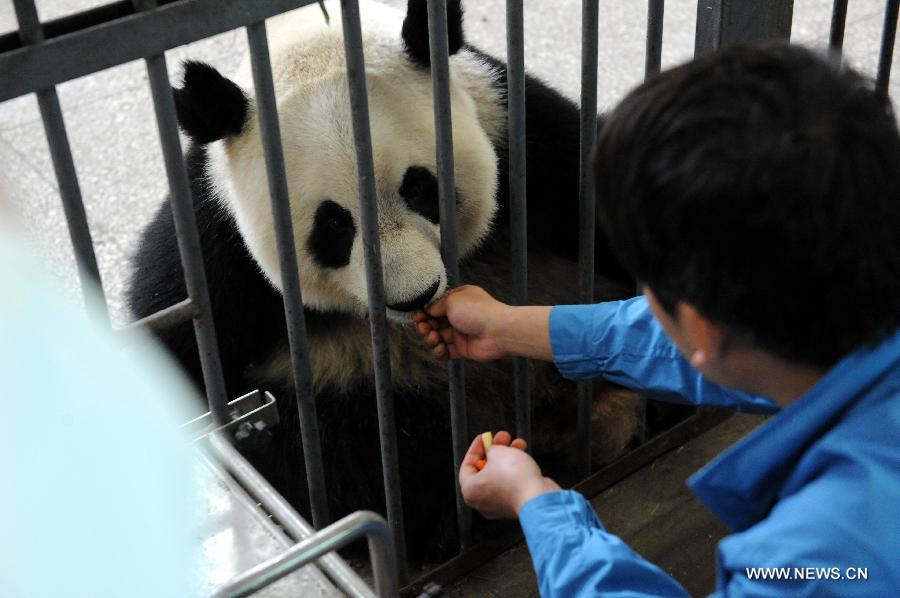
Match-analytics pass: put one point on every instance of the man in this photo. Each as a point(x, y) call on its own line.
point(755, 196)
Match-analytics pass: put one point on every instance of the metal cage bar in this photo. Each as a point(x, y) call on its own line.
point(888, 36)
point(165, 318)
point(365, 172)
point(334, 537)
point(722, 23)
point(31, 32)
point(838, 24)
point(122, 40)
point(274, 504)
point(655, 16)
point(443, 130)
point(518, 201)
point(590, 33)
point(267, 111)
point(186, 231)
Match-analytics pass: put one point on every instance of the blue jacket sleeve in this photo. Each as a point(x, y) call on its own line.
point(621, 341)
point(574, 556)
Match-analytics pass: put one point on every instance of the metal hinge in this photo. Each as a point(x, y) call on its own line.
point(251, 414)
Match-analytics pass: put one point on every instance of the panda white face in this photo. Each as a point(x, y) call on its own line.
point(317, 137)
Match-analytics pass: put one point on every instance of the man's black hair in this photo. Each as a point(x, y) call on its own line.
point(761, 186)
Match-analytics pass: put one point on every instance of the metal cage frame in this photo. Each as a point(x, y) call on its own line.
point(39, 56)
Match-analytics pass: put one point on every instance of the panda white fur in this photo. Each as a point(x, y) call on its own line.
point(228, 181)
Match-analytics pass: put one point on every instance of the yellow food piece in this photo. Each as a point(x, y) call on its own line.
point(487, 439)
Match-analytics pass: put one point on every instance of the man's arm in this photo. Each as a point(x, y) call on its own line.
point(574, 556)
point(621, 341)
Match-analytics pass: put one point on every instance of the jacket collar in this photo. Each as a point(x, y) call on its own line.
point(742, 484)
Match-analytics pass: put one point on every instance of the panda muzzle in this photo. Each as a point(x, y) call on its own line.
point(419, 301)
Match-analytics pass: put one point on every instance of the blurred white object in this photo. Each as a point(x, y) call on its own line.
point(95, 474)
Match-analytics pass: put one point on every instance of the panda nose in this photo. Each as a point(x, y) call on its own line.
point(419, 301)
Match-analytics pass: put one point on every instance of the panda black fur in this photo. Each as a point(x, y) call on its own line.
point(226, 172)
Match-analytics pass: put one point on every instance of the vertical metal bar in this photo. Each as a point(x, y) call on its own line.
point(443, 128)
point(267, 111)
point(888, 36)
point(653, 59)
point(365, 172)
point(838, 23)
point(186, 231)
point(723, 23)
point(31, 32)
point(586, 208)
point(518, 203)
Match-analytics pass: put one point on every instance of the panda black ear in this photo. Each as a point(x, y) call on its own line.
point(415, 30)
point(208, 105)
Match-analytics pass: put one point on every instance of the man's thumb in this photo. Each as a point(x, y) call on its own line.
point(438, 309)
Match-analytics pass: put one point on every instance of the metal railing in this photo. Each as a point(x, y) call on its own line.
point(37, 58)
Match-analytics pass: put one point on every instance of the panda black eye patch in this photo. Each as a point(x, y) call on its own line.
point(420, 190)
point(332, 235)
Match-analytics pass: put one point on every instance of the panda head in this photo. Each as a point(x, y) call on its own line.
point(317, 137)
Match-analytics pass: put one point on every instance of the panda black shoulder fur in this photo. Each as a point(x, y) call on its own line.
point(228, 182)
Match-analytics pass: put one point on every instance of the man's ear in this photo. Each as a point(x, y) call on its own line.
point(415, 30)
point(209, 106)
point(706, 338)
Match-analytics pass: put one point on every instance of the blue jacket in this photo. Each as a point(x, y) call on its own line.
point(812, 496)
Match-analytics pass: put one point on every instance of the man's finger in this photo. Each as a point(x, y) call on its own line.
point(502, 437)
point(519, 443)
point(423, 328)
point(475, 452)
point(433, 338)
point(446, 334)
point(419, 316)
point(440, 351)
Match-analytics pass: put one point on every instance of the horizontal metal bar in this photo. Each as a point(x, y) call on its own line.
point(164, 318)
point(267, 111)
point(888, 36)
point(80, 20)
point(365, 172)
point(333, 537)
point(136, 36)
point(261, 490)
point(590, 32)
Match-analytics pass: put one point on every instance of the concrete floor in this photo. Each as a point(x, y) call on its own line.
point(114, 140)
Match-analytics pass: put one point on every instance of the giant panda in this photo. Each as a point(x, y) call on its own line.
point(227, 175)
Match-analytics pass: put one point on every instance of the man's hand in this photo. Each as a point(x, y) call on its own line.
point(509, 479)
point(459, 324)
point(468, 323)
